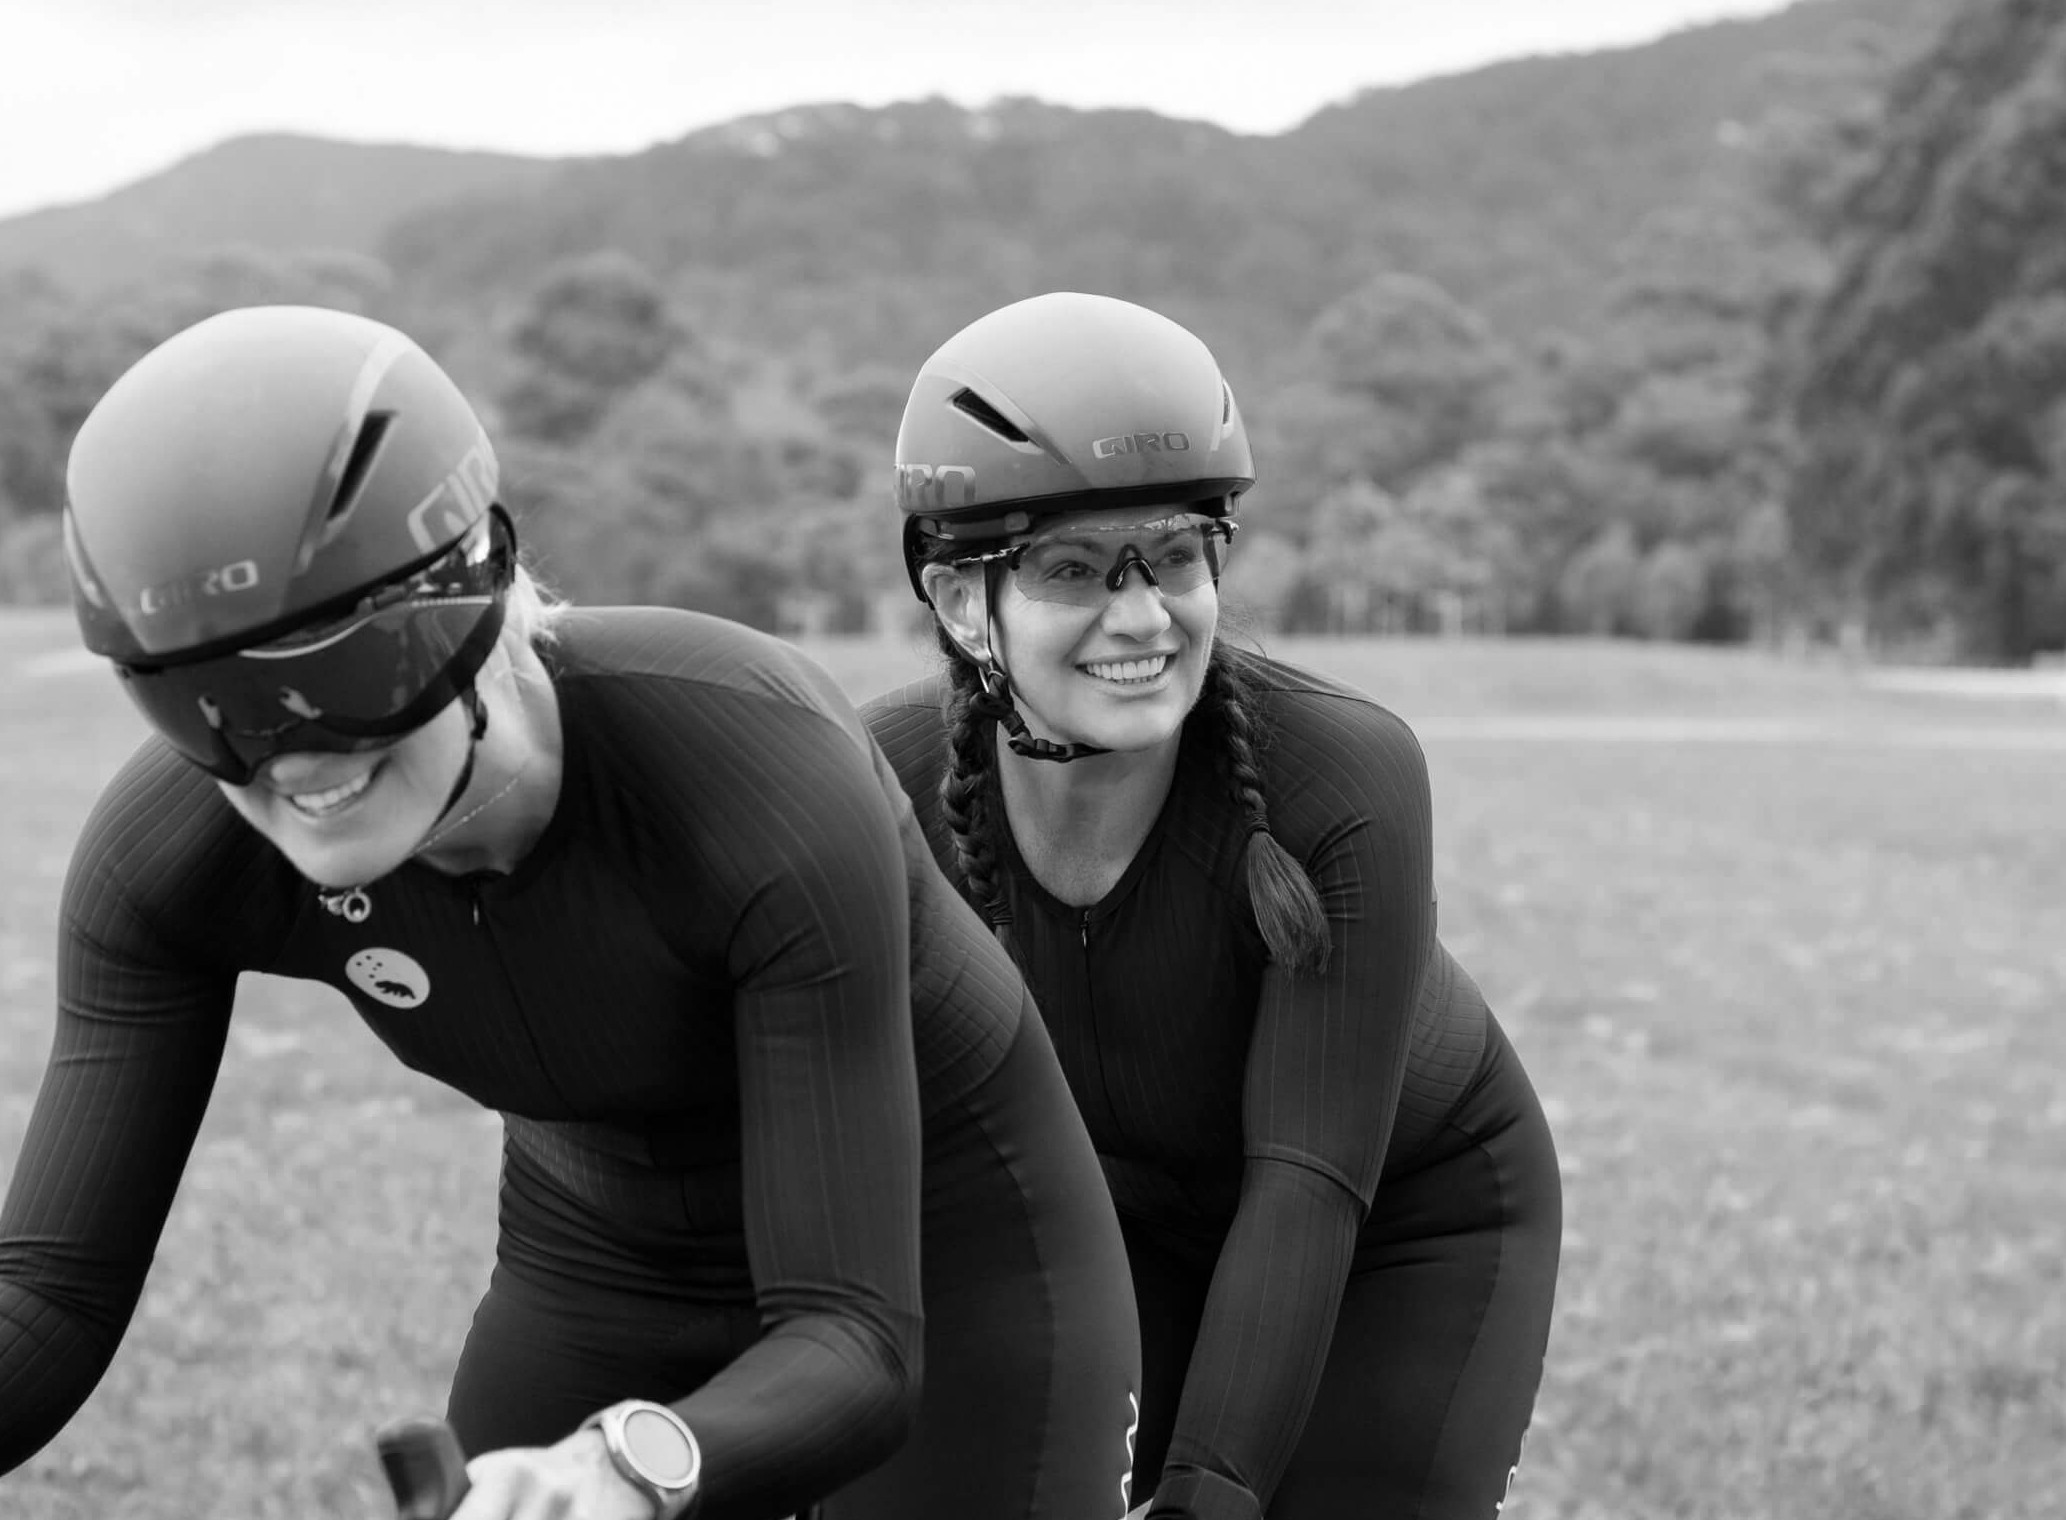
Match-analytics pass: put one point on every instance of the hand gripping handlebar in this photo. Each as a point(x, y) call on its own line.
point(424, 1466)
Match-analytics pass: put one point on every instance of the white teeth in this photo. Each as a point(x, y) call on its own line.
point(317, 803)
point(1129, 670)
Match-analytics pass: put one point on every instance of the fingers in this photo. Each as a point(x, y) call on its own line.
point(515, 1484)
point(572, 1480)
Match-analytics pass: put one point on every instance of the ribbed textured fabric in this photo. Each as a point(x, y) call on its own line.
point(1243, 1111)
point(716, 1002)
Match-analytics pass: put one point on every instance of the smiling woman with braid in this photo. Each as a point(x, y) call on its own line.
point(1339, 1195)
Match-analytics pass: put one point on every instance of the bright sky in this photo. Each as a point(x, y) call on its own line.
point(97, 93)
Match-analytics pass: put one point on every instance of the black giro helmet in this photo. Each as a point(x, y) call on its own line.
point(1064, 403)
point(271, 471)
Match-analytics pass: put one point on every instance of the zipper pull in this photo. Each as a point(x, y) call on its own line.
point(349, 903)
point(1084, 925)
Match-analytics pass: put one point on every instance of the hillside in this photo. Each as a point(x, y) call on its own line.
point(1519, 345)
point(835, 228)
point(1520, 186)
point(276, 191)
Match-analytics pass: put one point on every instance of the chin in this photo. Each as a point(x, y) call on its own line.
point(349, 865)
point(1141, 731)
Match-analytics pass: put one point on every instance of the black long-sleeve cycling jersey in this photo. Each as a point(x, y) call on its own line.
point(1247, 1116)
point(716, 1003)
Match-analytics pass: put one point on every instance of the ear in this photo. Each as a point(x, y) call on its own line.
point(961, 603)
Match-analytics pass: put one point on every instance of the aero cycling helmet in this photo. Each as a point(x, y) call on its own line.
point(280, 525)
point(1064, 403)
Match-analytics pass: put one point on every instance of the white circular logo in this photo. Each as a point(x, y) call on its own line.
point(388, 976)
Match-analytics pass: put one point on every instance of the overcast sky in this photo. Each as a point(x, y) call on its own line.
point(96, 93)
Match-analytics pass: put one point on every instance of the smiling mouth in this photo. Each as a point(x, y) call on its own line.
point(333, 800)
point(1129, 672)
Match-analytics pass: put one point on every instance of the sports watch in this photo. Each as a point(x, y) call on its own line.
point(656, 1453)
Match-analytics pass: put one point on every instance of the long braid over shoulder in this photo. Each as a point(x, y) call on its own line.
point(1287, 905)
point(968, 792)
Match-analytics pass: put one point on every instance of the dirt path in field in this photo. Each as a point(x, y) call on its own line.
point(2047, 684)
point(1608, 729)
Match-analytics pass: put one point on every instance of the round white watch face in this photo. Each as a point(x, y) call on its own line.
point(659, 1448)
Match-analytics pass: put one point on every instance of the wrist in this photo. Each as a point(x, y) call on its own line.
point(653, 1451)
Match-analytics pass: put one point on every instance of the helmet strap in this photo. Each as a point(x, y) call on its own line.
point(994, 700)
point(353, 904)
point(477, 725)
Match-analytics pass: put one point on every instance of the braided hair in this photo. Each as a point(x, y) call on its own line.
point(1287, 905)
point(969, 797)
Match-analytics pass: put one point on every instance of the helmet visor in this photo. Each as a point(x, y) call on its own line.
point(1086, 564)
point(351, 682)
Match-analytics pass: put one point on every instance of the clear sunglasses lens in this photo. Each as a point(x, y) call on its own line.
point(1077, 570)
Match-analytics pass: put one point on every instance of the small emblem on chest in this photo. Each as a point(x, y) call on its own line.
point(388, 976)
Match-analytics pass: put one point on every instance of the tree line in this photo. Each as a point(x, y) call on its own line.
point(1821, 394)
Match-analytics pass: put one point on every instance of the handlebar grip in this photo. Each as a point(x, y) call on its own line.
point(424, 1466)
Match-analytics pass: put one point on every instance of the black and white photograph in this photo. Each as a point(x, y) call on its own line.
point(786, 760)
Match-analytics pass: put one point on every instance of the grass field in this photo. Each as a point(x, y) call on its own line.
point(1788, 968)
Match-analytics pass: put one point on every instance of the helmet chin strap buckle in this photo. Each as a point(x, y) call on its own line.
point(994, 702)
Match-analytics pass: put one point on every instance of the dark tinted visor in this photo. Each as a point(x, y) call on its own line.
point(355, 681)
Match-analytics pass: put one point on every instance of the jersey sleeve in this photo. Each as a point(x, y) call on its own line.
point(908, 726)
point(809, 850)
point(139, 1037)
point(1322, 1088)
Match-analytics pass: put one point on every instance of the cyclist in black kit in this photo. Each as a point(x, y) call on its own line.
point(636, 878)
point(1340, 1198)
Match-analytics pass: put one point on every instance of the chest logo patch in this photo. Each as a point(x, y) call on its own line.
point(388, 976)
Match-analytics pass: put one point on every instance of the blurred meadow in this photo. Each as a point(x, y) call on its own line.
point(1784, 952)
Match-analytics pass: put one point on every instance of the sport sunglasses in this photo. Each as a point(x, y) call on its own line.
point(1086, 567)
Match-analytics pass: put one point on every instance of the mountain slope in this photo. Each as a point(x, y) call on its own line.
point(852, 231)
point(1517, 187)
point(276, 191)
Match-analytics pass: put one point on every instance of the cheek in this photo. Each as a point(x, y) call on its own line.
point(1047, 643)
point(245, 800)
point(431, 752)
point(1198, 616)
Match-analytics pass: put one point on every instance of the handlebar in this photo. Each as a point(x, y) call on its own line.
point(425, 1467)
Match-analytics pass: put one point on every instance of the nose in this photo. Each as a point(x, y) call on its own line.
point(307, 770)
point(1136, 609)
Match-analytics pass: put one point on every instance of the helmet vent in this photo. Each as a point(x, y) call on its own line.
point(365, 451)
point(969, 403)
point(1226, 403)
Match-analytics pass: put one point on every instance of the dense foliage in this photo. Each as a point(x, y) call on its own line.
point(1931, 400)
point(1750, 333)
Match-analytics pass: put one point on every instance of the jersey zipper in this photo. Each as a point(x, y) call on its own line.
point(1097, 1032)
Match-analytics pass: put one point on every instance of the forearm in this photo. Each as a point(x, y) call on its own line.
point(1262, 1344)
point(815, 1403)
point(50, 1359)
